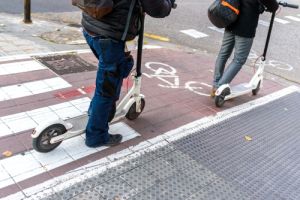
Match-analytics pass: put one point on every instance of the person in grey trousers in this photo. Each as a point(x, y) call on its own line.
point(239, 36)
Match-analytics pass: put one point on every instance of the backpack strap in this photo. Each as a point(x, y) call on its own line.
point(128, 20)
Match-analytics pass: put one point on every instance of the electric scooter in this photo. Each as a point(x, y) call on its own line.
point(49, 135)
point(226, 92)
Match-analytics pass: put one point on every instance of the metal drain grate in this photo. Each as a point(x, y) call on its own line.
point(66, 64)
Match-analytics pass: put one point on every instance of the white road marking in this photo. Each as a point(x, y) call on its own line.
point(19, 67)
point(293, 18)
point(264, 23)
point(32, 88)
point(220, 30)
point(34, 163)
point(193, 33)
point(28, 120)
point(282, 21)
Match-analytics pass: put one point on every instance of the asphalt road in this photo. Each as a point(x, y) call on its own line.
point(17, 6)
point(283, 54)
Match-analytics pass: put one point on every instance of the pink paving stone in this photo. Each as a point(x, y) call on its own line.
point(79, 77)
point(35, 75)
point(6, 104)
point(12, 144)
point(24, 138)
point(12, 189)
point(6, 80)
point(138, 124)
point(34, 180)
point(189, 117)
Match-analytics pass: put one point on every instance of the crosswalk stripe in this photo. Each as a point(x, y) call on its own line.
point(264, 23)
point(194, 33)
point(220, 30)
point(19, 67)
point(293, 18)
point(32, 88)
point(282, 21)
point(28, 120)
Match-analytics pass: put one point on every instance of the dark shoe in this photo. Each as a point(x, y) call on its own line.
point(112, 141)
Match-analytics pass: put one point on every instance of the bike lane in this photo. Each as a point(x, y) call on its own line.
point(176, 85)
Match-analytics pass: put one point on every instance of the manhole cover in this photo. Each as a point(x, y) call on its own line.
point(66, 64)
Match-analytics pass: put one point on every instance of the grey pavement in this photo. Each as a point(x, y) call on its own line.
point(39, 37)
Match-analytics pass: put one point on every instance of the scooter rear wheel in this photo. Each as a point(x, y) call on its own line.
point(256, 90)
point(132, 114)
point(42, 142)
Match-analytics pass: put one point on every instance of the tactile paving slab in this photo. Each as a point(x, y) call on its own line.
point(266, 167)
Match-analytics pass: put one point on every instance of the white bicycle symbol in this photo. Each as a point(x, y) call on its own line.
point(167, 74)
point(271, 63)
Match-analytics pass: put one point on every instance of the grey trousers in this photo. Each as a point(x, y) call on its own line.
point(242, 47)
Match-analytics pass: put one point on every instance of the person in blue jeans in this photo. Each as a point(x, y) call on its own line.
point(105, 38)
point(239, 36)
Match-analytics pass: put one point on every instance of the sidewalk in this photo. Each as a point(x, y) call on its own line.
point(181, 147)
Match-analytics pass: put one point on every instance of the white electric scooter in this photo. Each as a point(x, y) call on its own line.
point(226, 92)
point(49, 135)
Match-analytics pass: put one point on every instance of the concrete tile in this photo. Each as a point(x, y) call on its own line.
point(20, 164)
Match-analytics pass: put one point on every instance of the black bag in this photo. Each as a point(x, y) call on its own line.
point(222, 13)
point(95, 8)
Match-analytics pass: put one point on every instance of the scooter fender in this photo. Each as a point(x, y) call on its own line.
point(41, 127)
point(221, 88)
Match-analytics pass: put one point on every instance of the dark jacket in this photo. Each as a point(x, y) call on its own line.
point(113, 25)
point(246, 24)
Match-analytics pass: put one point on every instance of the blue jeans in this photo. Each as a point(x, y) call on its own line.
point(242, 48)
point(112, 68)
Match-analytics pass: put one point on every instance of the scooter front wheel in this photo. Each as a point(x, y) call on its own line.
point(132, 114)
point(42, 142)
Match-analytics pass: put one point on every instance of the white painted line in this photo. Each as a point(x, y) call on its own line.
point(19, 67)
point(282, 21)
point(264, 23)
point(219, 30)
point(31, 88)
point(30, 119)
point(147, 46)
point(23, 166)
point(297, 19)
point(193, 33)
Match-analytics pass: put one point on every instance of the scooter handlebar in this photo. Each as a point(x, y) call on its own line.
point(285, 4)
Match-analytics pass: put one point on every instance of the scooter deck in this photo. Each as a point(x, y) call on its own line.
point(239, 89)
point(79, 123)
